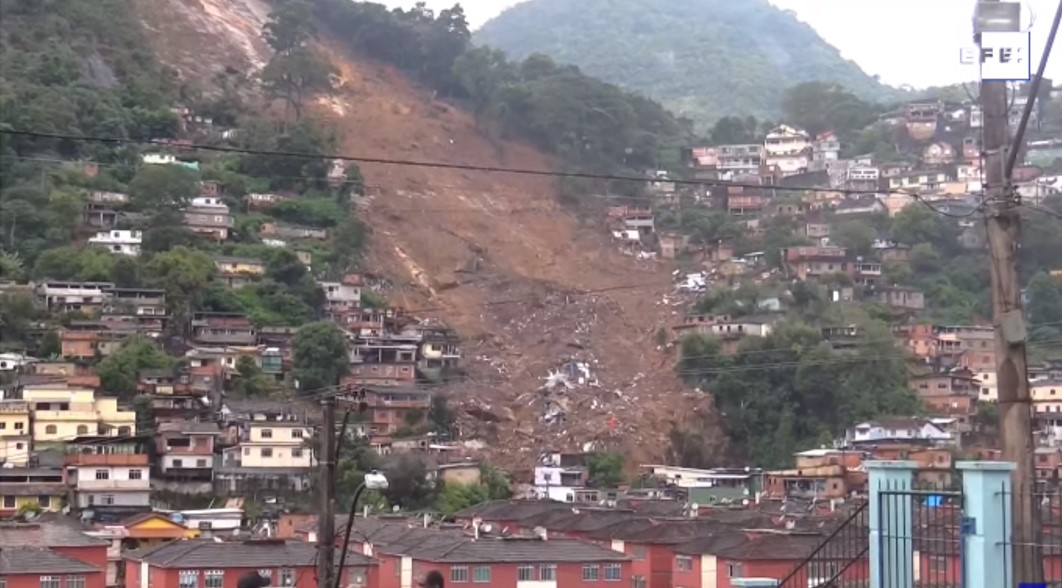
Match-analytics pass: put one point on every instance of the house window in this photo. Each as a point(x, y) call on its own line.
point(82, 429)
point(188, 579)
point(136, 474)
point(50, 430)
point(613, 572)
point(177, 463)
point(44, 501)
point(591, 572)
point(267, 452)
point(50, 581)
point(287, 577)
point(296, 433)
point(733, 570)
point(107, 499)
point(547, 572)
point(481, 575)
point(200, 463)
point(103, 475)
point(458, 574)
point(296, 452)
point(9, 502)
point(75, 582)
point(683, 563)
point(214, 579)
point(525, 573)
point(267, 433)
point(18, 425)
point(938, 563)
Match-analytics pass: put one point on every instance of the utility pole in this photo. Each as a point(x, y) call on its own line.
point(326, 517)
point(1003, 227)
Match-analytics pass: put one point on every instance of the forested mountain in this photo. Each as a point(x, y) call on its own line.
point(702, 58)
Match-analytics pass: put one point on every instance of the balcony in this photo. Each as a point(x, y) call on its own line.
point(106, 459)
point(188, 474)
point(92, 485)
point(84, 416)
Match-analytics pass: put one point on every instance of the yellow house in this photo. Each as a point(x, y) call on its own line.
point(275, 445)
point(60, 414)
point(152, 528)
point(22, 487)
point(240, 265)
point(1046, 396)
point(15, 439)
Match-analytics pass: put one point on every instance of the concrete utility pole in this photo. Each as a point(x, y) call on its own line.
point(326, 517)
point(1003, 225)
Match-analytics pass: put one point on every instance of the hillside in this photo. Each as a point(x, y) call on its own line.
point(703, 59)
point(493, 255)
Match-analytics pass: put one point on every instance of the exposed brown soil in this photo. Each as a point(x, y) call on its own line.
point(455, 243)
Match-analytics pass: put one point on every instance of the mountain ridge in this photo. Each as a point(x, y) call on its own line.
point(671, 51)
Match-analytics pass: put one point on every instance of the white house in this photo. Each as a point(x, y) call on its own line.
point(123, 242)
point(10, 362)
point(159, 158)
point(209, 202)
point(787, 148)
point(912, 429)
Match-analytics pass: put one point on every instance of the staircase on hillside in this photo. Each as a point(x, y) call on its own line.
point(841, 560)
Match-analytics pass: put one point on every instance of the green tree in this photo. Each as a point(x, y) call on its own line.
point(289, 27)
point(924, 259)
point(118, 372)
point(295, 76)
point(820, 106)
point(734, 129)
point(605, 470)
point(321, 356)
point(163, 186)
point(790, 389)
point(1045, 299)
point(408, 485)
point(184, 273)
point(250, 382)
point(854, 235)
point(440, 416)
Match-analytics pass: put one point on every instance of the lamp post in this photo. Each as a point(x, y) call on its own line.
point(374, 480)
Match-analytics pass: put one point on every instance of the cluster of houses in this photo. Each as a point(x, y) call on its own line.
point(68, 443)
point(794, 174)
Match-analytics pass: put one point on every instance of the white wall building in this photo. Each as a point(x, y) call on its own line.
point(787, 148)
point(122, 242)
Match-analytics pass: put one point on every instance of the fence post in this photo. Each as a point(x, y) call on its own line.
point(891, 541)
point(986, 489)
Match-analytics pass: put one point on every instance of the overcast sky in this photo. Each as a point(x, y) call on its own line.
point(915, 42)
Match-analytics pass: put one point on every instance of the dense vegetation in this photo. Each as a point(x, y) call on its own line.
point(790, 390)
point(82, 68)
point(703, 59)
point(592, 125)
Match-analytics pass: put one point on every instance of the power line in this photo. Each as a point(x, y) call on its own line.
point(475, 168)
point(1034, 90)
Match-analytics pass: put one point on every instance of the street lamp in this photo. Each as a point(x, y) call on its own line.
point(374, 480)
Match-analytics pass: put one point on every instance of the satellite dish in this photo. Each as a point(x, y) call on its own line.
point(695, 506)
point(487, 527)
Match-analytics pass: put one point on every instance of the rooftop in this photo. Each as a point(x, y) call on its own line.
point(38, 560)
point(44, 534)
point(206, 553)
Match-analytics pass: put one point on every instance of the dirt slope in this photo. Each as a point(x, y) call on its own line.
point(455, 243)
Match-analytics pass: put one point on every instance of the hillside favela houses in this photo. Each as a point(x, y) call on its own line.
point(761, 352)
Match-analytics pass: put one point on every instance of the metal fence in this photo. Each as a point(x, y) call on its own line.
point(933, 533)
point(841, 557)
point(1038, 559)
